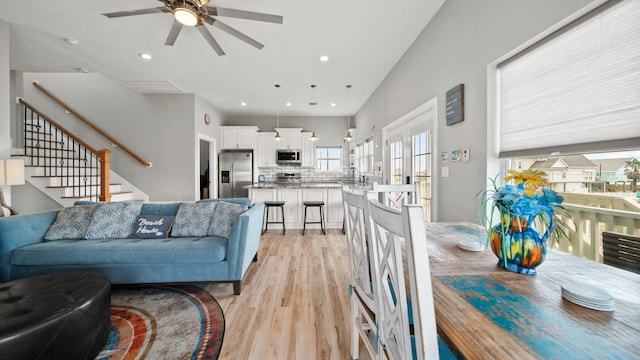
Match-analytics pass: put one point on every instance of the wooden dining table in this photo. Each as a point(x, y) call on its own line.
point(486, 312)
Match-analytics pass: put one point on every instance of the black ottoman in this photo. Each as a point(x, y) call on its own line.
point(58, 316)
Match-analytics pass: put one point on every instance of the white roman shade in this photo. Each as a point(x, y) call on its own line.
point(576, 90)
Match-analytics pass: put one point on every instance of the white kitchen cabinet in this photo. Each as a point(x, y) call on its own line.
point(291, 138)
point(265, 155)
point(335, 210)
point(292, 207)
point(308, 150)
point(238, 137)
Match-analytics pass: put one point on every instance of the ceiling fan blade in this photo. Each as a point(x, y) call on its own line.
point(173, 33)
point(248, 15)
point(231, 31)
point(136, 12)
point(209, 20)
point(214, 44)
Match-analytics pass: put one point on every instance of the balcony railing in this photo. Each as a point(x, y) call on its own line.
point(590, 222)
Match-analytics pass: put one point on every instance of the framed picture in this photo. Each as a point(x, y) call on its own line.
point(456, 155)
point(455, 104)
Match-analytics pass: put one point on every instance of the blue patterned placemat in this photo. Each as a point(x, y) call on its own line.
point(538, 328)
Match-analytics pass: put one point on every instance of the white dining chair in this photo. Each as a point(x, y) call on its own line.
point(388, 227)
point(364, 307)
point(396, 195)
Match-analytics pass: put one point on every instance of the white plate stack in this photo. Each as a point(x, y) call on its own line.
point(470, 245)
point(588, 296)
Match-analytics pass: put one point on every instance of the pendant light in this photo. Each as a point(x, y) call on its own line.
point(348, 137)
point(314, 137)
point(277, 137)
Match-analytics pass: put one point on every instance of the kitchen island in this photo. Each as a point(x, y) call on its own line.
point(294, 194)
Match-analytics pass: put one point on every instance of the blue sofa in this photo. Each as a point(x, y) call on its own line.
point(24, 251)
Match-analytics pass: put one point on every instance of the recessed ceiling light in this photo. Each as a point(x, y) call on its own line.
point(146, 56)
point(243, 104)
point(333, 104)
point(324, 58)
point(288, 103)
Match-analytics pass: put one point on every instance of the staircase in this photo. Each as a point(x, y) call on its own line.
point(67, 169)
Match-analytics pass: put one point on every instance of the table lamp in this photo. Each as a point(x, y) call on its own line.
point(11, 173)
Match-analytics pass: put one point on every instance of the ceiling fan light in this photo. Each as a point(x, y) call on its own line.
point(314, 137)
point(186, 16)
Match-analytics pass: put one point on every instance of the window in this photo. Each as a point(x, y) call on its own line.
point(422, 170)
point(329, 158)
point(396, 162)
point(575, 90)
point(364, 156)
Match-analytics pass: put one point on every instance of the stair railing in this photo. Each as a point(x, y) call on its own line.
point(92, 125)
point(61, 155)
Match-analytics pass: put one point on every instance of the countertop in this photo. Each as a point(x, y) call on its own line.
point(306, 185)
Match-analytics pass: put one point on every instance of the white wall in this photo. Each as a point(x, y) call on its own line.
point(456, 47)
point(160, 128)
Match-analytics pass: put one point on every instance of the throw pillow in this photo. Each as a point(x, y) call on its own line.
point(152, 226)
point(115, 220)
point(71, 223)
point(224, 217)
point(193, 219)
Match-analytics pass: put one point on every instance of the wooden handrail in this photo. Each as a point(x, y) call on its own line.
point(92, 125)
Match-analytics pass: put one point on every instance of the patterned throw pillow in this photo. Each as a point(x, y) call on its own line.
point(114, 220)
point(152, 226)
point(193, 219)
point(224, 217)
point(71, 223)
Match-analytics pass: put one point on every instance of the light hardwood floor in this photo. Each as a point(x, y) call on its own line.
point(294, 302)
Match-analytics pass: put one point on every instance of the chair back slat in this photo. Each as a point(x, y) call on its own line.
point(621, 251)
point(389, 228)
point(364, 303)
point(394, 196)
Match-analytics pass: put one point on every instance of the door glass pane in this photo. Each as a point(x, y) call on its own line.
point(396, 162)
point(422, 169)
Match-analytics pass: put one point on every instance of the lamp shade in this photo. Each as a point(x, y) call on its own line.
point(11, 172)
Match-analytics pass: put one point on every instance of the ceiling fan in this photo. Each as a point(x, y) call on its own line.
point(196, 13)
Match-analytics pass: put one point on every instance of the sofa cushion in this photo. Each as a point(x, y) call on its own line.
point(71, 223)
point(193, 219)
point(224, 217)
point(240, 201)
point(166, 209)
point(122, 251)
point(152, 226)
point(114, 220)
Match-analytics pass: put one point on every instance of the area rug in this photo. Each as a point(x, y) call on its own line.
point(163, 322)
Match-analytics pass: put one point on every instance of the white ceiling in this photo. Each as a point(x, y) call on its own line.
point(363, 38)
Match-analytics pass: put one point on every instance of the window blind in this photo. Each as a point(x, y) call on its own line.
point(577, 90)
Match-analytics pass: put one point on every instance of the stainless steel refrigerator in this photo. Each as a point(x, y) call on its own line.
point(236, 171)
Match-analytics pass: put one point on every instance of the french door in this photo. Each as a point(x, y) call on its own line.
point(408, 154)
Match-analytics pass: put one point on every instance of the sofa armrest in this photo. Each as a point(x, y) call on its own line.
point(21, 230)
point(244, 241)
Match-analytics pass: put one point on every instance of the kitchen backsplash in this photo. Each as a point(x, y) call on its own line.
point(312, 175)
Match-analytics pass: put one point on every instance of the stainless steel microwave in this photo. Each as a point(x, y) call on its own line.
point(288, 157)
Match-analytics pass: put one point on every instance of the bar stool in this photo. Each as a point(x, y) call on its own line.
point(318, 204)
point(267, 206)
